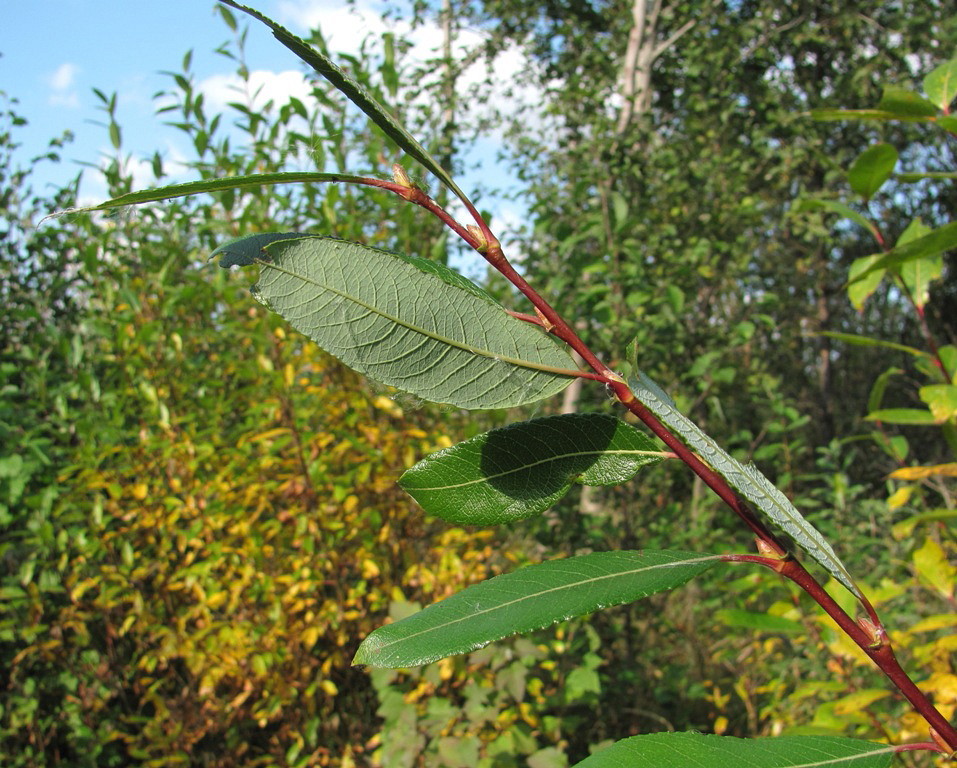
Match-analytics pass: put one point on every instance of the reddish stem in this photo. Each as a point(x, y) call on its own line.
point(872, 639)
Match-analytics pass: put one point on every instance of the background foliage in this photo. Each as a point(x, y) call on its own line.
point(199, 512)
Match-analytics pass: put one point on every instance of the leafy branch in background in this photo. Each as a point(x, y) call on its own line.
point(422, 328)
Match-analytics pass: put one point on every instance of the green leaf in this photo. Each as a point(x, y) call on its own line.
point(871, 169)
point(911, 178)
point(763, 622)
point(745, 479)
point(860, 289)
point(217, 185)
point(833, 206)
point(914, 416)
point(876, 396)
point(919, 273)
point(866, 341)
point(942, 401)
point(940, 85)
point(358, 95)
point(948, 123)
point(407, 322)
point(936, 242)
point(901, 102)
point(527, 599)
point(683, 750)
point(826, 115)
point(521, 470)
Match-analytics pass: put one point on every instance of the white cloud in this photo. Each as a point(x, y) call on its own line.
point(61, 84)
point(262, 86)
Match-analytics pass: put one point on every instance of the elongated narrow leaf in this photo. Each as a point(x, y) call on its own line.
point(407, 322)
point(912, 178)
point(936, 242)
point(521, 470)
point(912, 416)
point(687, 750)
point(826, 115)
point(867, 341)
point(745, 479)
point(527, 599)
point(358, 95)
point(871, 169)
point(217, 185)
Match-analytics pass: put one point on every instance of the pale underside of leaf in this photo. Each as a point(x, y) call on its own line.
point(406, 326)
point(521, 470)
point(745, 479)
point(698, 750)
point(525, 600)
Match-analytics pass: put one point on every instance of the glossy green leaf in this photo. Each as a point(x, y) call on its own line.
point(745, 479)
point(521, 470)
point(407, 322)
point(217, 185)
point(904, 103)
point(698, 750)
point(358, 95)
point(940, 85)
point(913, 416)
point(525, 600)
point(833, 206)
point(871, 169)
point(936, 242)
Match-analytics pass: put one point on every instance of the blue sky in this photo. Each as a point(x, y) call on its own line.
point(54, 52)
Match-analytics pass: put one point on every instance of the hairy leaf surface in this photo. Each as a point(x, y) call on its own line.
point(404, 321)
point(521, 470)
point(527, 599)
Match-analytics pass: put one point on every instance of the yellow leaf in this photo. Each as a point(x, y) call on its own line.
point(919, 473)
point(858, 701)
point(309, 637)
point(933, 568)
point(369, 569)
point(900, 497)
point(140, 491)
point(329, 688)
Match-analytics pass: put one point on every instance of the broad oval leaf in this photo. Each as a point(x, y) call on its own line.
point(903, 103)
point(871, 169)
point(527, 599)
point(940, 85)
point(406, 322)
point(521, 470)
point(745, 479)
point(681, 750)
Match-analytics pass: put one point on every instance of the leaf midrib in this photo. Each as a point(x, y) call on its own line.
point(557, 457)
point(523, 598)
point(517, 362)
